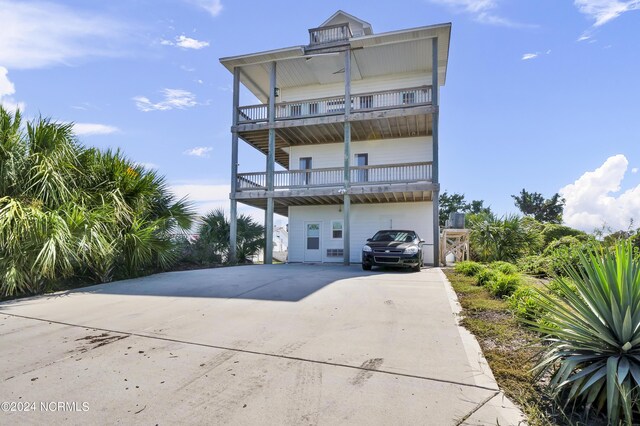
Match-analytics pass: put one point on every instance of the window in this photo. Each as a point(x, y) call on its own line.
point(304, 178)
point(361, 173)
point(336, 229)
point(408, 98)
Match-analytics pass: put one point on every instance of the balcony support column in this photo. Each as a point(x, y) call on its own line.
point(346, 208)
point(435, 179)
point(271, 159)
point(233, 210)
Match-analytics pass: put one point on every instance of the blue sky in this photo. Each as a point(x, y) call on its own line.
point(540, 94)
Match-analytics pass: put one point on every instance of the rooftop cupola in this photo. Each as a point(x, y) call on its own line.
point(337, 30)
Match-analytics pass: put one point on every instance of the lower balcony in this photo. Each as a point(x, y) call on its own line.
point(407, 182)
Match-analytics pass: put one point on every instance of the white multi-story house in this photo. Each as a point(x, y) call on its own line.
point(340, 171)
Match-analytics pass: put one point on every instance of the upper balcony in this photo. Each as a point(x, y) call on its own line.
point(335, 105)
point(384, 114)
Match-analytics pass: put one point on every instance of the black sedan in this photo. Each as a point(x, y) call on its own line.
point(398, 248)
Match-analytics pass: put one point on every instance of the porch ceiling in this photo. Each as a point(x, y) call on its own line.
point(361, 130)
point(397, 52)
point(360, 194)
point(282, 204)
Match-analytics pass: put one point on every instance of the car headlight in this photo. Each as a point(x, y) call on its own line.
point(411, 250)
point(366, 249)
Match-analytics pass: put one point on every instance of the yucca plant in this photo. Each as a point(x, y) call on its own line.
point(593, 334)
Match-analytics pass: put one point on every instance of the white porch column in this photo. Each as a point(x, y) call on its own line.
point(271, 156)
point(233, 211)
point(435, 178)
point(346, 228)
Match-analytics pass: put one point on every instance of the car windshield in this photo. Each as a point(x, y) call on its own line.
point(400, 236)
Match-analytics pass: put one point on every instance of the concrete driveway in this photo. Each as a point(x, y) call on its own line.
point(273, 344)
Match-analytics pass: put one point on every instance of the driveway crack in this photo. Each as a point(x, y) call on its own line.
point(364, 367)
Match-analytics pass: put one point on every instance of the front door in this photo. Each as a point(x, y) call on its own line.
point(312, 233)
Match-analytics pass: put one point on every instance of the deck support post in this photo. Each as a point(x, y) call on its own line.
point(346, 208)
point(271, 157)
point(233, 210)
point(434, 177)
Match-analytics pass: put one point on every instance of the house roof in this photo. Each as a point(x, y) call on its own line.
point(395, 52)
point(341, 17)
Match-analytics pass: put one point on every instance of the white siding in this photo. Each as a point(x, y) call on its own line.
point(377, 84)
point(366, 219)
point(382, 151)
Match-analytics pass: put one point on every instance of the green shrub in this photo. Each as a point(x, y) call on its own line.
point(504, 267)
point(552, 232)
point(535, 265)
point(486, 275)
point(468, 268)
point(593, 338)
point(504, 285)
point(524, 303)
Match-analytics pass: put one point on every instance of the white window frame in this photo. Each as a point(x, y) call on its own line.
point(341, 230)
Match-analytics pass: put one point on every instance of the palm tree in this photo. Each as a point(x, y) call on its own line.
point(69, 213)
point(213, 236)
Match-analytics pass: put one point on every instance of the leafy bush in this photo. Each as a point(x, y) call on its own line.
point(503, 238)
point(566, 252)
point(503, 285)
point(468, 268)
point(593, 351)
point(504, 267)
point(487, 275)
point(552, 232)
point(535, 265)
point(524, 303)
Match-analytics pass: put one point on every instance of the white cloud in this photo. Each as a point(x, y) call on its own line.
point(483, 11)
point(528, 56)
point(214, 7)
point(603, 11)
point(199, 151)
point(39, 34)
point(173, 98)
point(634, 170)
point(584, 36)
point(186, 43)
point(594, 199)
point(7, 89)
point(190, 43)
point(83, 129)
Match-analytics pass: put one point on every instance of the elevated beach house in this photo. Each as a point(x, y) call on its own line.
point(348, 124)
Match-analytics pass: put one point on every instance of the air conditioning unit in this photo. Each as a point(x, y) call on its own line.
point(456, 221)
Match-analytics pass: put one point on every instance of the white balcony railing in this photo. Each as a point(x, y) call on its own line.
point(334, 176)
point(388, 99)
point(329, 34)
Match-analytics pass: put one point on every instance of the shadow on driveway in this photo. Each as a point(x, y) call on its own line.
point(284, 282)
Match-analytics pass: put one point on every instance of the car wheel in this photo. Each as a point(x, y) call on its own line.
point(418, 267)
point(366, 267)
